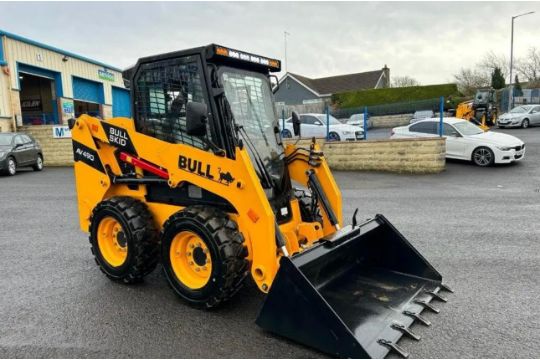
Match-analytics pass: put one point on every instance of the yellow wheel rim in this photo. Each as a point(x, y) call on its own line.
point(112, 241)
point(190, 260)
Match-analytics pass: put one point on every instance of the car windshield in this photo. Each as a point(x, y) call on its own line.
point(333, 120)
point(250, 99)
point(467, 128)
point(5, 139)
point(520, 109)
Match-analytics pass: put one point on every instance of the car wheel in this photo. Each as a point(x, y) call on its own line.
point(483, 156)
point(286, 134)
point(525, 123)
point(38, 166)
point(11, 166)
point(333, 137)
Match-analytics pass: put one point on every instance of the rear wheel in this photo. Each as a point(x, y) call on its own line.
point(286, 134)
point(525, 123)
point(124, 240)
point(483, 156)
point(203, 255)
point(38, 166)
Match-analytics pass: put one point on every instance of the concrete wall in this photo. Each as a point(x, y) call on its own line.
point(390, 121)
point(417, 156)
point(56, 152)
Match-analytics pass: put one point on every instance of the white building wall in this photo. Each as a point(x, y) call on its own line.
point(17, 51)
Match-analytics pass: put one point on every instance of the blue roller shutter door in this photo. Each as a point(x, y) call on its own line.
point(121, 102)
point(87, 90)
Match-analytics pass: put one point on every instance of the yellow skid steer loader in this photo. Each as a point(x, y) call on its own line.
point(201, 181)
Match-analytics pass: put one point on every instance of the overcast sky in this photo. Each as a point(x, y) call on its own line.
point(428, 41)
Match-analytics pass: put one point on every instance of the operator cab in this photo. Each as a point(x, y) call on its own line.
point(216, 99)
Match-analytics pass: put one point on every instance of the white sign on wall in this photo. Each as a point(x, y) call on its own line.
point(61, 132)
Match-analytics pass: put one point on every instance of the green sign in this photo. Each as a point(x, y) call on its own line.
point(105, 75)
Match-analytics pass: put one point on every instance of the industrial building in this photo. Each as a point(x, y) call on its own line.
point(44, 85)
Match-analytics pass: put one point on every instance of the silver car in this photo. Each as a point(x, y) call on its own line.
point(520, 116)
point(358, 120)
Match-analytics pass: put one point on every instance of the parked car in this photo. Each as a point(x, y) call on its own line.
point(358, 120)
point(421, 115)
point(314, 125)
point(466, 141)
point(520, 116)
point(19, 150)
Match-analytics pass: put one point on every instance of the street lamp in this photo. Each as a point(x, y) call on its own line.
point(511, 87)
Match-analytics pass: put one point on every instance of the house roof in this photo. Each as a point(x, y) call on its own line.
point(341, 83)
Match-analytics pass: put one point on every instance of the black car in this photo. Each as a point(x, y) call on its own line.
point(19, 150)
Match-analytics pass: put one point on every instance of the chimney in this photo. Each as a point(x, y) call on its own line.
point(386, 72)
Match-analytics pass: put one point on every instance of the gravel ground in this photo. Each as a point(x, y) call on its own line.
point(478, 227)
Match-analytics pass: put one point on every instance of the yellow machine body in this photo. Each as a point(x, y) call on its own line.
point(253, 212)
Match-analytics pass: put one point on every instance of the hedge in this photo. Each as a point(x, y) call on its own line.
point(392, 95)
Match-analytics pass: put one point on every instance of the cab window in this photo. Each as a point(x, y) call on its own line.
point(162, 91)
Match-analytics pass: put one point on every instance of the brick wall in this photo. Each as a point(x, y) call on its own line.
point(56, 152)
point(418, 156)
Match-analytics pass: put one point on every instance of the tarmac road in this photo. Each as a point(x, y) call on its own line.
point(478, 227)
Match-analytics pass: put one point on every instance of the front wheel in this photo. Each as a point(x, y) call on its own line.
point(333, 137)
point(203, 255)
point(483, 156)
point(525, 123)
point(11, 167)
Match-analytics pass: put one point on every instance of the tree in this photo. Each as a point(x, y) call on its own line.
point(492, 61)
point(404, 81)
point(468, 80)
point(529, 66)
point(497, 79)
point(517, 87)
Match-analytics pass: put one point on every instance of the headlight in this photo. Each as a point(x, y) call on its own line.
point(347, 132)
point(2, 154)
point(504, 148)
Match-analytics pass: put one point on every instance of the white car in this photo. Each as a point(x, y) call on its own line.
point(358, 120)
point(520, 116)
point(466, 141)
point(314, 125)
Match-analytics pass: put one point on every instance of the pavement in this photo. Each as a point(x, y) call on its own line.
point(477, 226)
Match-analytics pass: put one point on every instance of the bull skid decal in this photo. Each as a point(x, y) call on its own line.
point(196, 167)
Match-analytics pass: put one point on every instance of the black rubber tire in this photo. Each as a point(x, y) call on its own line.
point(141, 236)
point(36, 167)
point(8, 171)
point(227, 251)
point(333, 136)
point(525, 123)
point(477, 162)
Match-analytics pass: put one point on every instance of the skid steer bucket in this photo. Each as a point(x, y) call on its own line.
point(354, 294)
